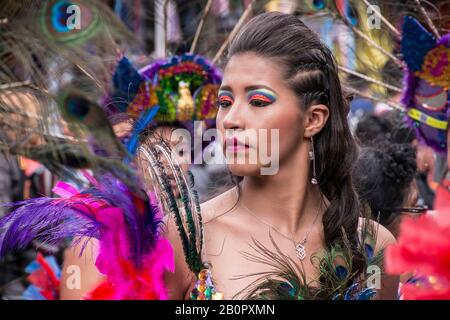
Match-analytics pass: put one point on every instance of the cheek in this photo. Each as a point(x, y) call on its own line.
point(219, 119)
point(289, 124)
point(219, 124)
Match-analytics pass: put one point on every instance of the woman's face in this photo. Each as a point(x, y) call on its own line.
point(254, 103)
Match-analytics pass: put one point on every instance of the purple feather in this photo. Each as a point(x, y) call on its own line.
point(51, 220)
point(48, 220)
point(143, 226)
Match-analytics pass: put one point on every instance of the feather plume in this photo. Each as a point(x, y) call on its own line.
point(287, 280)
point(132, 255)
point(40, 55)
point(185, 209)
point(49, 220)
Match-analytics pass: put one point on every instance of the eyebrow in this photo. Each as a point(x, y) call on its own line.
point(248, 88)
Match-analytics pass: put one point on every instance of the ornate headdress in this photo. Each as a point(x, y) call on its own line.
point(177, 90)
point(427, 83)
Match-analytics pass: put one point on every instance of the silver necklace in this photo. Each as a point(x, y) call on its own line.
point(300, 249)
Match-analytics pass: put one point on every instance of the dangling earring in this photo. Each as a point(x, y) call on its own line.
point(312, 157)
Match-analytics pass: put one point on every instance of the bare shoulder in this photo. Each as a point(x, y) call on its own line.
point(219, 205)
point(79, 274)
point(384, 237)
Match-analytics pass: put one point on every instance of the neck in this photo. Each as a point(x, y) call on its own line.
point(288, 201)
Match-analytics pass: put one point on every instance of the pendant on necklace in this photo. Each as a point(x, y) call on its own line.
point(300, 250)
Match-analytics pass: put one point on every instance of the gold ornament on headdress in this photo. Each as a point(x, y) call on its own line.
point(185, 105)
point(208, 97)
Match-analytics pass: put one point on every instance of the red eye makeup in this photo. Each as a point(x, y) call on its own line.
point(225, 99)
point(261, 97)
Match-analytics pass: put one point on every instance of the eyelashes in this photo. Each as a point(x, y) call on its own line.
point(256, 98)
point(261, 97)
point(225, 99)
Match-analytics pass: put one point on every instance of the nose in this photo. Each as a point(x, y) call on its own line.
point(234, 117)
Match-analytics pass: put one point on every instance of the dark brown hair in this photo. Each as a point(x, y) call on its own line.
point(312, 73)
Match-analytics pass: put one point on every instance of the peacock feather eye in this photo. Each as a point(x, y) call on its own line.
point(341, 272)
point(286, 289)
point(319, 4)
point(69, 21)
point(59, 16)
point(369, 250)
point(77, 107)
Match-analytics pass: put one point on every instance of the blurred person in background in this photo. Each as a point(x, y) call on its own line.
point(390, 127)
point(384, 177)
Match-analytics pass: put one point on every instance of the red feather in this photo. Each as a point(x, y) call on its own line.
point(45, 279)
point(423, 248)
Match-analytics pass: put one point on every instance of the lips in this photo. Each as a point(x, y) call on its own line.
point(235, 145)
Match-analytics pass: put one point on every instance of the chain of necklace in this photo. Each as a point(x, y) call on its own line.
point(300, 249)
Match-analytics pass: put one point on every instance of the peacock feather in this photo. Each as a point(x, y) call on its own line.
point(185, 208)
point(337, 278)
point(55, 65)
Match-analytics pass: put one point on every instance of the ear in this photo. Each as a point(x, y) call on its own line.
point(416, 43)
point(315, 119)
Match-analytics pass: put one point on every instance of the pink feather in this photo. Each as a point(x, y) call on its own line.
point(124, 280)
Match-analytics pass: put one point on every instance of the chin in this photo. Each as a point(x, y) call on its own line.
point(245, 170)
